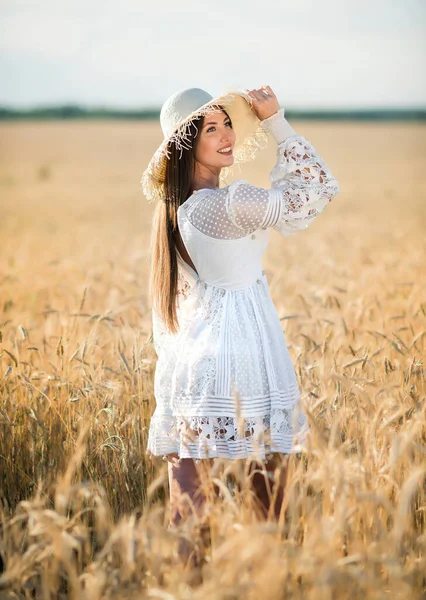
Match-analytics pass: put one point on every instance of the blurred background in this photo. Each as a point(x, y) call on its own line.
point(368, 54)
point(82, 88)
point(82, 84)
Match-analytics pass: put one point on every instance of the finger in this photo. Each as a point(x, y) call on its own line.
point(252, 94)
point(258, 95)
point(269, 90)
point(265, 92)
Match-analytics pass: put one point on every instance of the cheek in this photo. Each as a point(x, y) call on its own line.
point(205, 147)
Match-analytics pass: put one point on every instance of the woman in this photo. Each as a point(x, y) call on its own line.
point(224, 384)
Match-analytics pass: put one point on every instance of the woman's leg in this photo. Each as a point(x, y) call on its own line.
point(186, 487)
point(187, 496)
point(266, 490)
point(187, 491)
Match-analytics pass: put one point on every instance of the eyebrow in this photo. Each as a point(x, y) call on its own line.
point(215, 122)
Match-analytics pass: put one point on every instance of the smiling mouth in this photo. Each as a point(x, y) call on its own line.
point(225, 151)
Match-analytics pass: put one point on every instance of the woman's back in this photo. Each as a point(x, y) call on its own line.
point(221, 256)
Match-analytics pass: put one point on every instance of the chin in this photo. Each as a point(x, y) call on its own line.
point(229, 160)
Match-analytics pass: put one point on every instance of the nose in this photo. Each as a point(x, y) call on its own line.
point(227, 137)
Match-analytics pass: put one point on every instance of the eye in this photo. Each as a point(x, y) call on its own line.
point(212, 127)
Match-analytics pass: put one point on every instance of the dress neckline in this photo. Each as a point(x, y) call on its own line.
point(202, 189)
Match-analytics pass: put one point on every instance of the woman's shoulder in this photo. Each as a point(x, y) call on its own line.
point(235, 184)
point(202, 191)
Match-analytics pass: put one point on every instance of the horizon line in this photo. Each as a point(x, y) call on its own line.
point(70, 111)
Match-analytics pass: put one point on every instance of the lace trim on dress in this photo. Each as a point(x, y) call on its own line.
point(283, 430)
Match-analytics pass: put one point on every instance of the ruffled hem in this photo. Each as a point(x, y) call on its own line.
point(213, 437)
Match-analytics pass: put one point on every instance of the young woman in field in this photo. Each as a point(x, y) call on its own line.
point(224, 384)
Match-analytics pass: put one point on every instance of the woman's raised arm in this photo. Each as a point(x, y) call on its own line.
point(301, 185)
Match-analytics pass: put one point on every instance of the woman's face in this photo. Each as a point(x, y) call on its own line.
point(216, 134)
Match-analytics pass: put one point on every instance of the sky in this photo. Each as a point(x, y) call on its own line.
point(134, 54)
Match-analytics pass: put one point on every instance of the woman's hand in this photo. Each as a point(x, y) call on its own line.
point(265, 103)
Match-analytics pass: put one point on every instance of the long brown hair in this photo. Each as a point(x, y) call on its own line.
point(164, 265)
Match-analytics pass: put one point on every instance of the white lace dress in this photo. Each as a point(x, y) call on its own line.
point(225, 384)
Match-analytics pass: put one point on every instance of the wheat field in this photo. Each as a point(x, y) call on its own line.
point(83, 509)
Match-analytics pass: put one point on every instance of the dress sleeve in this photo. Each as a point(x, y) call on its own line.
point(301, 186)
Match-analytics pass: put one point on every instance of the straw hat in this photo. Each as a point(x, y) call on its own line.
point(175, 117)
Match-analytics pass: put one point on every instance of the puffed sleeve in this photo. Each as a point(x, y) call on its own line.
point(301, 186)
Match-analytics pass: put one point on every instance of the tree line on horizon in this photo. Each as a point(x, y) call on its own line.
point(73, 111)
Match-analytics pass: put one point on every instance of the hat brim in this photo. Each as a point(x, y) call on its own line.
point(250, 137)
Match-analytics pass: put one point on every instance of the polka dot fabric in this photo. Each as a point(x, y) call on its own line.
point(302, 186)
point(225, 384)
